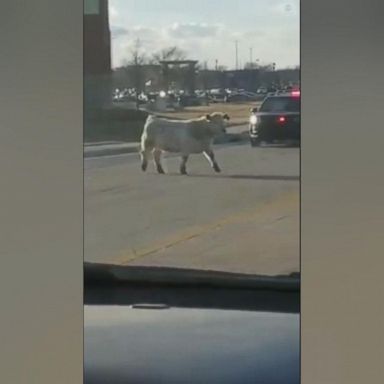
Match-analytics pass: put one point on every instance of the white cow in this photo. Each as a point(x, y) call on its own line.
point(181, 136)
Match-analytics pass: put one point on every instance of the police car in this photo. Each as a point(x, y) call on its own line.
point(277, 119)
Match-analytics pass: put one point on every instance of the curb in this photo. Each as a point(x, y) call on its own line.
point(110, 151)
point(121, 149)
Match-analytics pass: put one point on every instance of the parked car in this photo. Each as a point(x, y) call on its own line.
point(217, 95)
point(189, 100)
point(262, 91)
point(238, 97)
point(277, 119)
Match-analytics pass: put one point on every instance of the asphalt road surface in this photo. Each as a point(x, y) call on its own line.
point(245, 219)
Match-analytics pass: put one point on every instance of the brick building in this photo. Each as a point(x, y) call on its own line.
point(97, 54)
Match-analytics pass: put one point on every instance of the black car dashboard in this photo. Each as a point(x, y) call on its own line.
point(150, 325)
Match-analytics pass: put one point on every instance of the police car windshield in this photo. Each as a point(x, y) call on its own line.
point(281, 104)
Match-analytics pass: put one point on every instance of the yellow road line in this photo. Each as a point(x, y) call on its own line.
point(276, 206)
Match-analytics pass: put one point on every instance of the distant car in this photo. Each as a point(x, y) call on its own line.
point(143, 97)
point(277, 119)
point(238, 97)
point(217, 95)
point(262, 91)
point(217, 98)
point(189, 101)
point(152, 96)
point(252, 95)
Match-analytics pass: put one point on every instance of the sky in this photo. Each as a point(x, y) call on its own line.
point(206, 30)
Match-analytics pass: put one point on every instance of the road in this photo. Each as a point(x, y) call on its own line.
point(245, 219)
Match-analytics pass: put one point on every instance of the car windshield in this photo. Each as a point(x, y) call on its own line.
point(281, 104)
point(170, 176)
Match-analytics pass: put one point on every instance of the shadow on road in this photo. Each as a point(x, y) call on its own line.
point(242, 177)
point(293, 144)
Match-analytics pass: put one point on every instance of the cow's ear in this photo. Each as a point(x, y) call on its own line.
point(208, 117)
point(226, 117)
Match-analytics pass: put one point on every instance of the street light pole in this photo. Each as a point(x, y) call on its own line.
point(237, 55)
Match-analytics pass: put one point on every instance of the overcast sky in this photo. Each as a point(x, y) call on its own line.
point(207, 29)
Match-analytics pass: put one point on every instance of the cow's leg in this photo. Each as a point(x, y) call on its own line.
point(157, 159)
point(211, 158)
point(183, 165)
point(145, 152)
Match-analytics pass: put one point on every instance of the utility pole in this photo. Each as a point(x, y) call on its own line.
point(237, 54)
point(251, 55)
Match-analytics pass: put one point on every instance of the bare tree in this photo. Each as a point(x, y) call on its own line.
point(138, 57)
point(171, 53)
point(136, 61)
point(175, 74)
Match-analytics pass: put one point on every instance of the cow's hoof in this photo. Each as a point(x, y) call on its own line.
point(143, 167)
point(161, 171)
point(183, 171)
point(216, 169)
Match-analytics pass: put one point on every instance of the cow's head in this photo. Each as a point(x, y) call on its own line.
point(218, 122)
